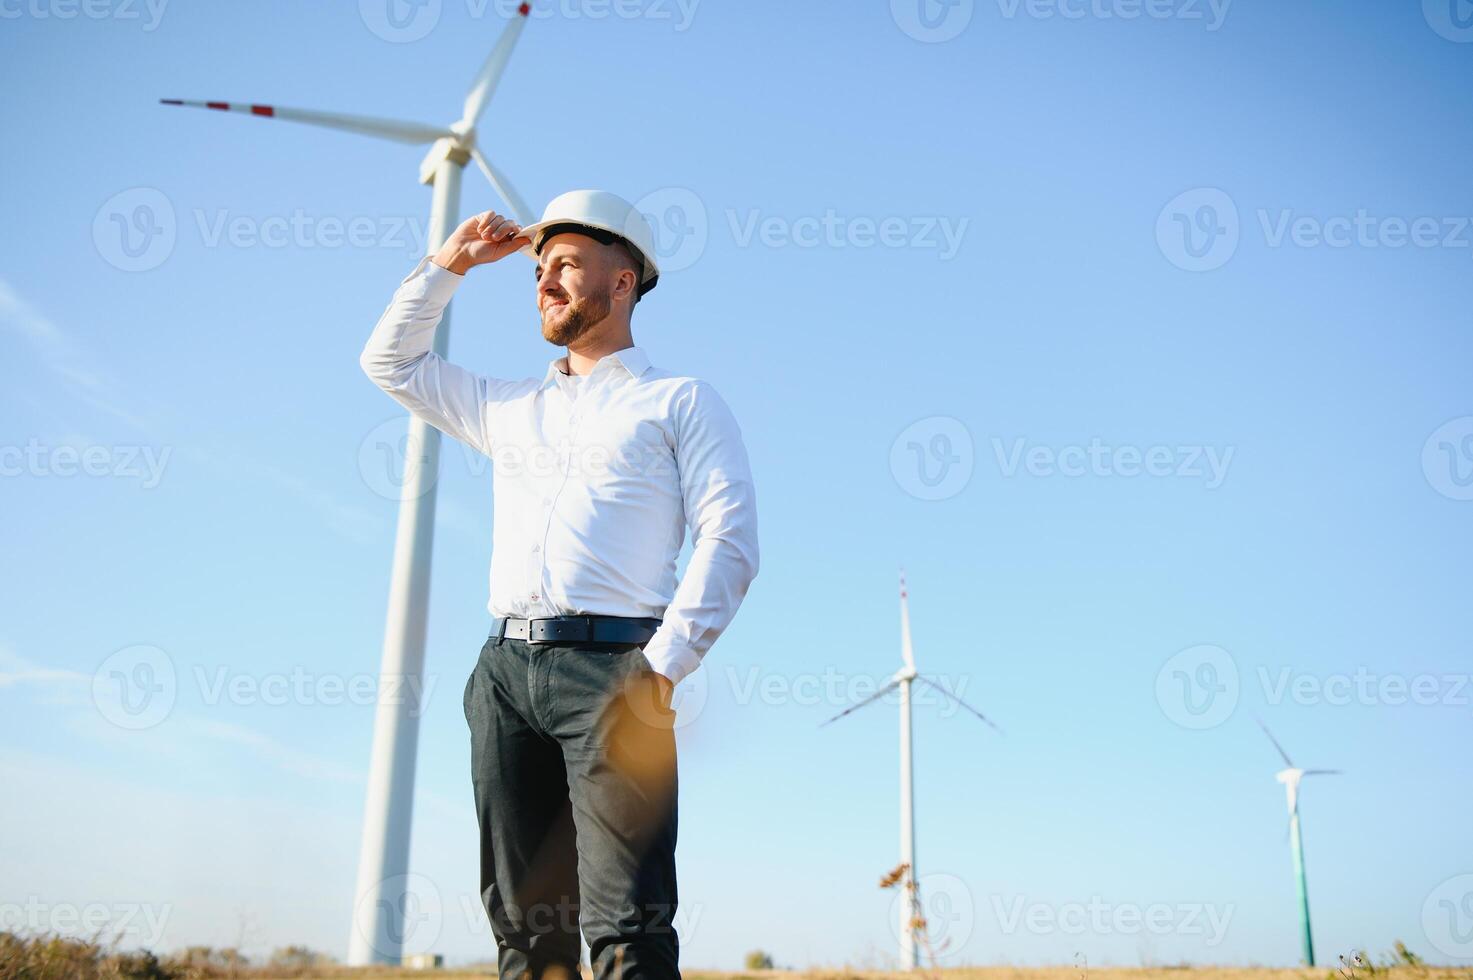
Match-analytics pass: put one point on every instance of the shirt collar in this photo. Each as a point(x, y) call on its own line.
point(633, 360)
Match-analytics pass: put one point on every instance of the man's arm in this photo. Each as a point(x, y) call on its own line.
point(721, 510)
point(398, 355)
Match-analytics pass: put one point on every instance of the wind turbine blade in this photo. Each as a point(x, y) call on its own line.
point(930, 683)
point(1324, 772)
point(485, 84)
point(1282, 754)
point(855, 707)
point(906, 651)
point(503, 187)
point(391, 129)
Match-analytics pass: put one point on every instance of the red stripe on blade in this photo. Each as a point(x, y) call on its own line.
point(217, 105)
point(524, 9)
point(262, 110)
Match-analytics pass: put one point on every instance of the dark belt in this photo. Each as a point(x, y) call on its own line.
point(576, 629)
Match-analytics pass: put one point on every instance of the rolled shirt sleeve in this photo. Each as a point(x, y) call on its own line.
point(721, 512)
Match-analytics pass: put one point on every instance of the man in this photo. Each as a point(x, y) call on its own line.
point(599, 467)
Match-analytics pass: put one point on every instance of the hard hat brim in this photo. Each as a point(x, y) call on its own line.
point(535, 234)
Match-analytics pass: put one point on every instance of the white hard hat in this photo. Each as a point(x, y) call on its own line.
point(604, 212)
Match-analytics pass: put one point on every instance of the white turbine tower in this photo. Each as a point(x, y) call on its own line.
point(382, 893)
point(910, 907)
point(1290, 777)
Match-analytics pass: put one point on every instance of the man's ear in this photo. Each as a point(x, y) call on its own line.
point(627, 284)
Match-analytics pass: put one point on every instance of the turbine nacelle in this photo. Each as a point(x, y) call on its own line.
point(1289, 777)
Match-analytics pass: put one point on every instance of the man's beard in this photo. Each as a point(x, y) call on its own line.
point(577, 318)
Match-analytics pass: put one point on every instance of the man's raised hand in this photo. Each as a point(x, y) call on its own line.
point(482, 238)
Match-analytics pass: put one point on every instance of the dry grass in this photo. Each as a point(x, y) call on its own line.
point(53, 958)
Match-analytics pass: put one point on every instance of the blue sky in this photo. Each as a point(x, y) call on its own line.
point(1047, 244)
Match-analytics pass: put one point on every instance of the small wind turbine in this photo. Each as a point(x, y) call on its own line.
point(1290, 777)
point(910, 905)
point(382, 898)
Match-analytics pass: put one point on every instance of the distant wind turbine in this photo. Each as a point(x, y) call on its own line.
point(910, 907)
point(1290, 777)
point(382, 902)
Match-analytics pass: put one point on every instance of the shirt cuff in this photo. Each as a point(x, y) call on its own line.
point(670, 659)
point(436, 282)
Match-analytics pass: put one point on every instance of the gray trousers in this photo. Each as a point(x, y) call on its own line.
point(573, 761)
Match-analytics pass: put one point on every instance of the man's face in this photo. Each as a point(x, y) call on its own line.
point(576, 281)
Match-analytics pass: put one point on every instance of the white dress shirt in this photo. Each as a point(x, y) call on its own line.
point(594, 479)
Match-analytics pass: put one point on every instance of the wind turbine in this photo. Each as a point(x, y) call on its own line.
point(382, 897)
point(910, 905)
point(1290, 777)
